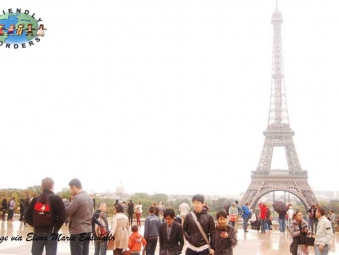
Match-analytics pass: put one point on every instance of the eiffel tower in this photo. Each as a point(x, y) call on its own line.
point(278, 134)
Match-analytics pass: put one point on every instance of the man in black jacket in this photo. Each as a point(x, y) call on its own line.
point(197, 243)
point(130, 210)
point(44, 234)
point(171, 237)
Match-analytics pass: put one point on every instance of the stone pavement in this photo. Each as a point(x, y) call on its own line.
point(251, 243)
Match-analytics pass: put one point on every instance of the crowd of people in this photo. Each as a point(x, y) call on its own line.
point(204, 234)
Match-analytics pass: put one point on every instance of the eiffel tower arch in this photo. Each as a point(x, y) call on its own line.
point(278, 134)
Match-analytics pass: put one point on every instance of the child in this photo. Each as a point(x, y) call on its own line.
point(135, 241)
point(225, 235)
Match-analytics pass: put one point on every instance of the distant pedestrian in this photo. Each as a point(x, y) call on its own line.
point(4, 206)
point(332, 219)
point(290, 213)
point(27, 201)
point(262, 217)
point(124, 206)
point(233, 214)
point(184, 209)
point(156, 212)
point(245, 215)
point(240, 212)
point(130, 210)
point(11, 208)
point(162, 209)
point(138, 212)
point(22, 210)
point(282, 221)
point(311, 218)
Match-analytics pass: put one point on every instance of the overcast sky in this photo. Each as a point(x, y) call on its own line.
point(166, 96)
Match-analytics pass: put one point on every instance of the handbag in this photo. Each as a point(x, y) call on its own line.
point(232, 217)
point(110, 245)
point(309, 240)
point(126, 252)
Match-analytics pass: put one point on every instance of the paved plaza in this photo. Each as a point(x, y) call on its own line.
point(251, 243)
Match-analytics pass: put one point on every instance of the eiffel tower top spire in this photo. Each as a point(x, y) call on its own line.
point(278, 119)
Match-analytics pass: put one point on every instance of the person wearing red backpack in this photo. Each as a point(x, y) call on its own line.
point(46, 233)
point(100, 245)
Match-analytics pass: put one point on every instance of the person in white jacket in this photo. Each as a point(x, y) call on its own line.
point(324, 233)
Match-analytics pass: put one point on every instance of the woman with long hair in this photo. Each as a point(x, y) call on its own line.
point(298, 227)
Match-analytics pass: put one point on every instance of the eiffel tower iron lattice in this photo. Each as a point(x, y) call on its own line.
point(278, 134)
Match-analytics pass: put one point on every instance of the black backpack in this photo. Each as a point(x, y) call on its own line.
point(42, 212)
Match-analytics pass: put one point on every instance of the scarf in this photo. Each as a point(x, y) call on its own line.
point(220, 225)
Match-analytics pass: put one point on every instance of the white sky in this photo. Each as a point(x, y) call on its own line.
point(166, 96)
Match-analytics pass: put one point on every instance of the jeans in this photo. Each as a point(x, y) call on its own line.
point(282, 225)
point(324, 252)
point(310, 225)
point(100, 247)
point(137, 215)
point(10, 214)
point(130, 218)
point(49, 244)
point(78, 245)
point(151, 245)
point(245, 223)
point(262, 225)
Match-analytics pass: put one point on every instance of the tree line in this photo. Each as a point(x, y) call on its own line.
point(147, 200)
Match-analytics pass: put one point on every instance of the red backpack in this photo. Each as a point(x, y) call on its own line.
point(42, 212)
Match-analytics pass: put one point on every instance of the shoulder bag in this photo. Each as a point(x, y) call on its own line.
point(201, 230)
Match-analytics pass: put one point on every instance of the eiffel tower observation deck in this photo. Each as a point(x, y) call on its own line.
point(278, 134)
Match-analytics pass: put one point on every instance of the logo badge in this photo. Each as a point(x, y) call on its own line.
point(20, 29)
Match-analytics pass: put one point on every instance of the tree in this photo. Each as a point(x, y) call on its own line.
point(159, 197)
point(65, 193)
point(35, 190)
